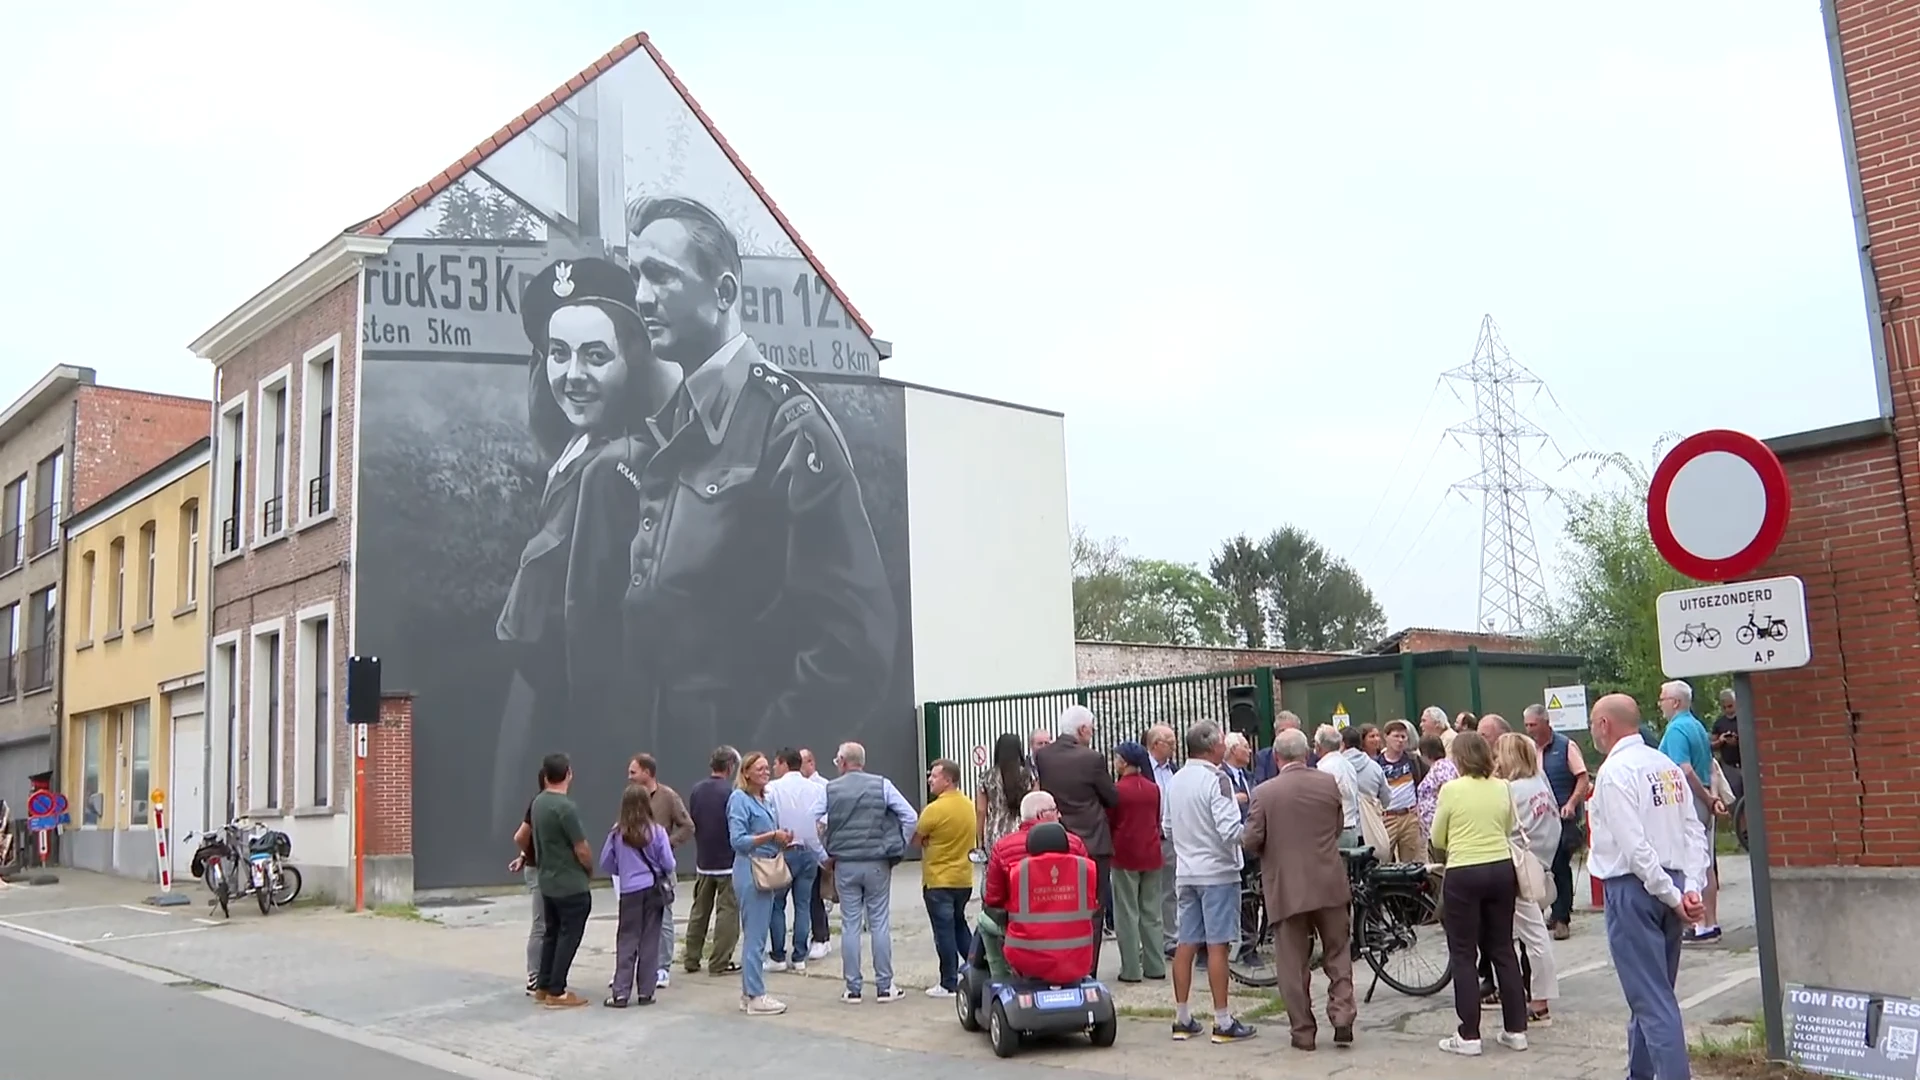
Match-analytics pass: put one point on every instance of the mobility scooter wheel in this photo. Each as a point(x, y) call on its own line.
point(1000, 1031)
point(1106, 1031)
point(966, 1002)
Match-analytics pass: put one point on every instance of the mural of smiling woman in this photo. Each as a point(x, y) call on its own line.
point(592, 380)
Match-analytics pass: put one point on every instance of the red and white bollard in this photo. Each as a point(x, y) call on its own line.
point(163, 855)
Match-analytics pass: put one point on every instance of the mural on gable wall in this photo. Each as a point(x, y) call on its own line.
point(628, 481)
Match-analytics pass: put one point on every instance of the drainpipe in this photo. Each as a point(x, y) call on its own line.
point(1411, 693)
point(210, 514)
point(1473, 676)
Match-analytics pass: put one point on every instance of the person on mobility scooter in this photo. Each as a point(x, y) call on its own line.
point(1039, 915)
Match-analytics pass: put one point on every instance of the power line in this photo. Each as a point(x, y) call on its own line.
point(1513, 590)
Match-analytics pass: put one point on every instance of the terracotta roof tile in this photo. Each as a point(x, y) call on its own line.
point(422, 195)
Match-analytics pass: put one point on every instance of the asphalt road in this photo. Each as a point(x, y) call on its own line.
point(68, 1017)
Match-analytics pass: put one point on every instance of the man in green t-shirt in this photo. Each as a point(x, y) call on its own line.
point(564, 860)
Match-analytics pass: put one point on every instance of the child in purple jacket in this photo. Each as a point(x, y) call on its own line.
point(640, 860)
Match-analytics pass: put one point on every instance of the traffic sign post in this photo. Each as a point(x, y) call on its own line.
point(1717, 508)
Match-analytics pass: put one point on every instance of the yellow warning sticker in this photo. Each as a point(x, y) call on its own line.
point(1554, 702)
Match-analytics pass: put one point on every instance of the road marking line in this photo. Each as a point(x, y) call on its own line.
point(146, 910)
point(1582, 969)
point(206, 921)
point(1719, 988)
point(110, 938)
point(17, 928)
point(58, 910)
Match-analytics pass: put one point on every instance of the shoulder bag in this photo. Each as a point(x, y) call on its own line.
point(662, 890)
point(1534, 888)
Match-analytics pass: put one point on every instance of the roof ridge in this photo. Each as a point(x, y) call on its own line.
point(420, 196)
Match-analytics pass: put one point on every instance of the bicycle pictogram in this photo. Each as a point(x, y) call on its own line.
point(1753, 631)
point(1699, 634)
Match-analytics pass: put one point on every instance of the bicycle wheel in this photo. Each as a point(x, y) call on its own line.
point(1744, 635)
point(1254, 966)
point(1778, 631)
point(1713, 639)
point(1683, 641)
point(1393, 929)
point(1739, 813)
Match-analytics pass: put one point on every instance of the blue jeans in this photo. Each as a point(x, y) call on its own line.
point(804, 866)
point(866, 896)
point(756, 915)
point(947, 910)
point(1643, 936)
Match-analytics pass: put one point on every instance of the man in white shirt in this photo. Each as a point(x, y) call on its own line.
point(799, 806)
point(1207, 862)
point(817, 903)
point(1327, 742)
point(1649, 849)
point(1159, 743)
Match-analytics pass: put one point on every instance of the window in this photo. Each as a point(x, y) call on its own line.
point(273, 456)
point(318, 399)
point(14, 524)
point(116, 585)
point(223, 689)
point(10, 638)
point(150, 566)
point(87, 569)
point(91, 802)
point(230, 496)
point(140, 759)
point(263, 749)
point(189, 584)
point(46, 501)
point(315, 719)
point(36, 660)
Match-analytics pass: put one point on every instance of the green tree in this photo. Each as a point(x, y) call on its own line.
point(1289, 590)
point(470, 212)
point(1117, 597)
point(1611, 573)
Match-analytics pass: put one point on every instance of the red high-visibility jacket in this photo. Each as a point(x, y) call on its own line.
point(1052, 934)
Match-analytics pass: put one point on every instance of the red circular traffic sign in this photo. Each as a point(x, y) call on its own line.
point(1718, 505)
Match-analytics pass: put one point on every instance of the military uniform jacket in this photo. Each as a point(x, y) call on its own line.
point(755, 595)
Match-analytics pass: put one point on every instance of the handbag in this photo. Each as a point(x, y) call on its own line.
point(661, 891)
point(1526, 866)
point(770, 872)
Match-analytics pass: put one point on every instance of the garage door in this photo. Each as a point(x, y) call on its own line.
point(18, 761)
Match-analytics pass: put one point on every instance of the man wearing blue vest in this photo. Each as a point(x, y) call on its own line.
point(1566, 773)
point(866, 831)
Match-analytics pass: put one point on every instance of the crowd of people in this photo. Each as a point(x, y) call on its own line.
point(1498, 814)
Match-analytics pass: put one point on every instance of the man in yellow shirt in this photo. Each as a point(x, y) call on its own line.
point(945, 835)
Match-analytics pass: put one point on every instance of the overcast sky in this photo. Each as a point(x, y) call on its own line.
point(1235, 243)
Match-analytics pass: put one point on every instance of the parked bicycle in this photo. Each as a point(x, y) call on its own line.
point(1738, 811)
point(1696, 634)
point(1395, 912)
point(1773, 628)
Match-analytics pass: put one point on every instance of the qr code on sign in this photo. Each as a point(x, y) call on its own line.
point(1902, 1042)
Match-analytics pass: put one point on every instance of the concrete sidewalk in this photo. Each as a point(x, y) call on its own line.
point(450, 977)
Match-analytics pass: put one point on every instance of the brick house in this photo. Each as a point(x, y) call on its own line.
point(64, 444)
point(1839, 761)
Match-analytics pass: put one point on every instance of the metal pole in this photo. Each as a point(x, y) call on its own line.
point(1772, 997)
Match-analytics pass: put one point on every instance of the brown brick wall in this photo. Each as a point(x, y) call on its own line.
point(1422, 640)
point(390, 778)
point(1097, 662)
point(1839, 759)
point(121, 434)
point(308, 564)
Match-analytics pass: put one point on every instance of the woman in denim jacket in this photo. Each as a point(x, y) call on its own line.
point(754, 832)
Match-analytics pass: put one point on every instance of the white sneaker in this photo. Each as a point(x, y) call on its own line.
point(1512, 1040)
point(850, 997)
point(939, 992)
point(661, 978)
point(777, 965)
point(765, 1006)
point(798, 967)
point(819, 950)
point(891, 993)
point(743, 1002)
point(1454, 1044)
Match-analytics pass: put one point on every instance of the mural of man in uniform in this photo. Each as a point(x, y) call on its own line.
point(591, 382)
point(757, 609)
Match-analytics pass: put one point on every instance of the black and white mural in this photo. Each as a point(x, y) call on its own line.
point(628, 481)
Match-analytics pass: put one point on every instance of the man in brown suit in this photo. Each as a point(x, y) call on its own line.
point(1081, 782)
point(1294, 829)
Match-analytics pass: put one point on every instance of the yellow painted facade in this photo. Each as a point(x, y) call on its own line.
point(136, 578)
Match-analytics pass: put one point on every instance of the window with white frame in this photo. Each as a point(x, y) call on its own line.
point(319, 397)
point(13, 544)
point(275, 395)
point(264, 760)
point(149, 568)
point(47, 479)
point(223, 709)
point(230, 479)
point(188, 587)
point(314, 715)
point(139, 762)
point(116, 584)
point(10, 638)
